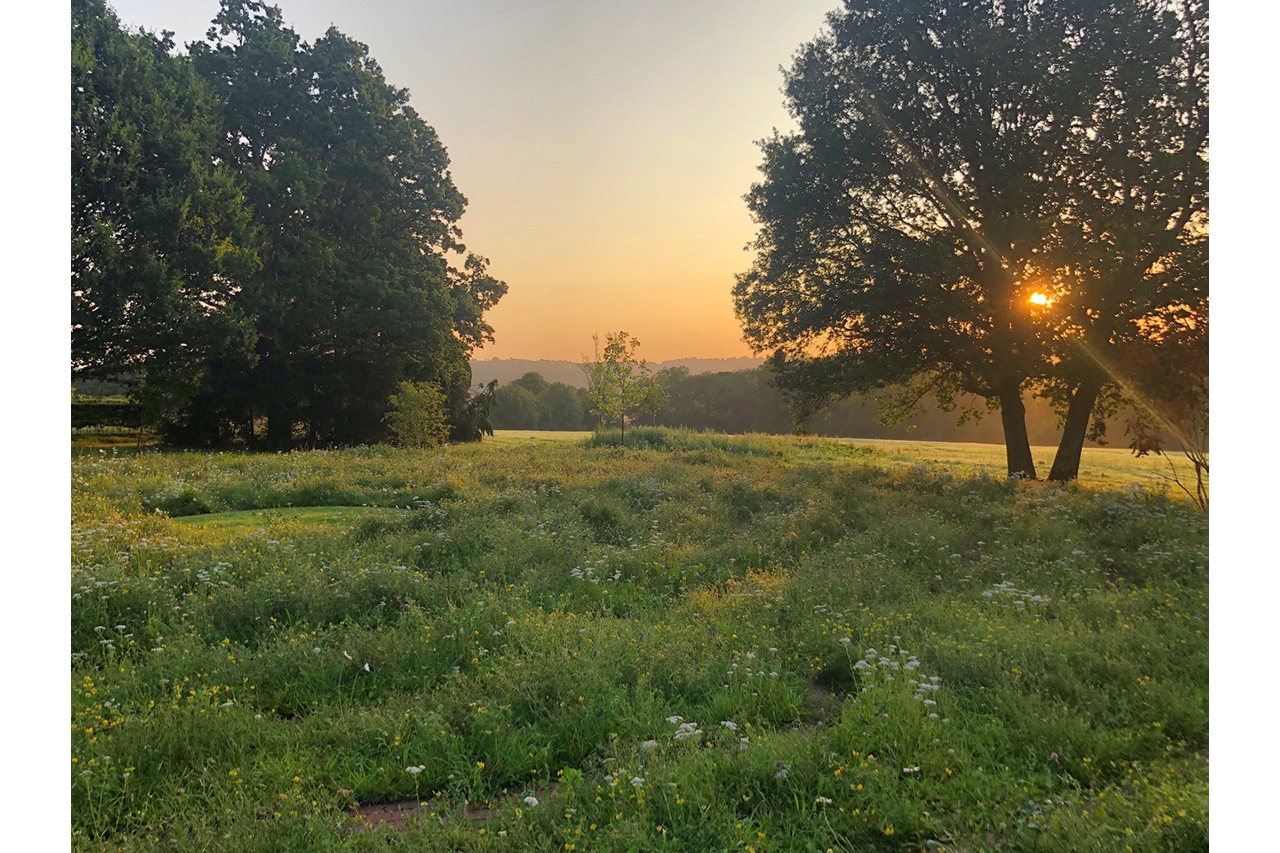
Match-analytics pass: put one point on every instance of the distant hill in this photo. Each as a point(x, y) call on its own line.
point(506, 370)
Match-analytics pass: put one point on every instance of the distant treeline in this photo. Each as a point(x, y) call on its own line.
point(743, 401)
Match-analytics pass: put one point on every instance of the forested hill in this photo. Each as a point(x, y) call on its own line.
point(506, 370)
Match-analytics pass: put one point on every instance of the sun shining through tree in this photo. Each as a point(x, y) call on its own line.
point(926, 186)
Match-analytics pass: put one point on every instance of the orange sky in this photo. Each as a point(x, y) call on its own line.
point(604, 147)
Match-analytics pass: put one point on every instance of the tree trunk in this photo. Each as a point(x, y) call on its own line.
point(1066, 463)
point(1013, 416)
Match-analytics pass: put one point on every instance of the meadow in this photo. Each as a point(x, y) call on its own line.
point(698, 643)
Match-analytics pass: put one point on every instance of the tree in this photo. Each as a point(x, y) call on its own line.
point(161, 238)
point(1170, 387)
point(907, 222)
point(418, 416)
point(517, 408)
point(1131, 256)
point(619, 384)
point(475, 422)
point(358, 213)
point(561, 407)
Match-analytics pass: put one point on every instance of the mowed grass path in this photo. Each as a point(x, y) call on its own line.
point(722, 644)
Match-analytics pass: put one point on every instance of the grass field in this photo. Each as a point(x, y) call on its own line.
point(712, 643)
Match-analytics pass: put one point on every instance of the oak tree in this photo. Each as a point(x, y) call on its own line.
point(906, 223)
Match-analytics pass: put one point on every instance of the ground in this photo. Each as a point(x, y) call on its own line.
point(709, 644)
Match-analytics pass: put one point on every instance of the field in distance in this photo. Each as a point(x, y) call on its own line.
point(1100, 467)
point(710, 642)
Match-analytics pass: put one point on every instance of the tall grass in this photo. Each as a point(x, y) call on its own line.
point(705, 643)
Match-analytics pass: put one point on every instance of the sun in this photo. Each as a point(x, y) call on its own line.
point(1039, 299)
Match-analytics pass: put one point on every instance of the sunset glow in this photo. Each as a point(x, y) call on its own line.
point(1038, 299)
point(603, 148)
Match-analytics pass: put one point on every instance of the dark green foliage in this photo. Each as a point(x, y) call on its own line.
point(357, 280)
point(161, 238)
point(121, 414)
point(930, 190)
point(476, 420)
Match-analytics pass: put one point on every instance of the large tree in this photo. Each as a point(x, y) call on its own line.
point(358, 216)
point(908, 220)
point(1131, 255)
point(161, 239)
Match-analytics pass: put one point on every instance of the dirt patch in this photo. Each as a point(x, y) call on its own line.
point(397, 815)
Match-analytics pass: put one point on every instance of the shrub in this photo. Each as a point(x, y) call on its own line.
point(418, 415)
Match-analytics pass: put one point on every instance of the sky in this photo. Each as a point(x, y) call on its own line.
point(603, 146)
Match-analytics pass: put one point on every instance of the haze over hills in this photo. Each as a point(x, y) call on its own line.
point(506, 370)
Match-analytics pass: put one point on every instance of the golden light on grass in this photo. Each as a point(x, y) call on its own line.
point(1039, 299)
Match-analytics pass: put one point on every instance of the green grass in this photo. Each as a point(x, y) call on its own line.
point(247, 520)
point(262, 642)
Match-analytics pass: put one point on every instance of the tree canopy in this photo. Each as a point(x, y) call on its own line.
point(161, 237)
point(954, 158)
point(359, 280)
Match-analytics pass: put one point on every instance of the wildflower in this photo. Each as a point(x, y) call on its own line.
point(346, 655)
point(675, 719)
point(414, 771)
point(637, 781)
point(730, 725)
point(1053, 756)
point(531, 801)
point(861, 664)
point(366, 668)
point(846, 640)
point(649, 744)
point(823, 801)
